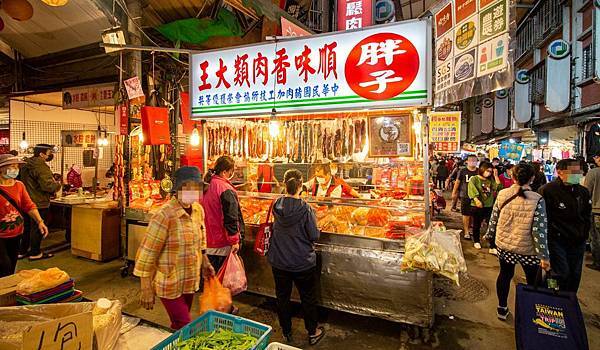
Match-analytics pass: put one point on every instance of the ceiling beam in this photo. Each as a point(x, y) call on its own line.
point(66, 56)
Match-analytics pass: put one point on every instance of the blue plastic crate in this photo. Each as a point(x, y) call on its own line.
point(213, 320)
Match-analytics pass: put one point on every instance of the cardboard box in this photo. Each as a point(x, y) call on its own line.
point(8, 290)
point(57, 326)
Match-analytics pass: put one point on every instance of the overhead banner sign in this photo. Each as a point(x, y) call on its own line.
point(445, 131)
point(558, 67)
point(387, 66)
point(88, 96)
point(471, 42)
point(354, 14)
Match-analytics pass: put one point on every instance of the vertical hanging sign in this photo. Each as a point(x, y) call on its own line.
point(476, 125)
point(487, 115)
point(596, 41)
point(501, 109)
point(354, 14)
point(521, 92)
point(558, 76)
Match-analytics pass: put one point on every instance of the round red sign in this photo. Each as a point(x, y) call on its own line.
point(382, 66)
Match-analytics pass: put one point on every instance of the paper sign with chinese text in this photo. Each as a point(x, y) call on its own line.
point(88, 96)
point(444, 131)
point(354, 14)
point(390, 136)
point(78, 138)
point(387, 66)
point(134, 88)
point(67, 333)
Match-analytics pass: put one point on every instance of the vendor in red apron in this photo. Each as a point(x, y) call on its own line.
point(326, 184)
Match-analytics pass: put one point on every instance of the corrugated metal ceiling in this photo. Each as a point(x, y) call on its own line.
point(54, 29)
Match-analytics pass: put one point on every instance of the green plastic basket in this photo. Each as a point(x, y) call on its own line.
point(213, 320)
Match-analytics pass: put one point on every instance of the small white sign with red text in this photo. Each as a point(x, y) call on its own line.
point(386, 66)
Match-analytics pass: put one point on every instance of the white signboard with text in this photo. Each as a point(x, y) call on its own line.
point(382, 66)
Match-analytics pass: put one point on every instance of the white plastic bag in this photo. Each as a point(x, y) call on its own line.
point(233, 275)
point(436, 251)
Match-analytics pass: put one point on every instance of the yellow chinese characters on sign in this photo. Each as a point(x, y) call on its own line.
point(444, 131)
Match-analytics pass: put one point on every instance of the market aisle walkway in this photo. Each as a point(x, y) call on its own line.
point(465, 316)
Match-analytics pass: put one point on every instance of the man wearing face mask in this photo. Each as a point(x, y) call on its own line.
point(569, 209)
point(326, 184)
point(40, 184)
point(169, 259)
point(460, 191)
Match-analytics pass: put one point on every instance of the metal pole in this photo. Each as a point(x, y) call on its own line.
point(425, 143)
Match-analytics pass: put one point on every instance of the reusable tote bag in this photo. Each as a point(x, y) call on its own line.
point(546, 319)
point(263, 237)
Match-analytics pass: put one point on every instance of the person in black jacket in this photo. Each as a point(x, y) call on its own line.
point(293, 259)
point(569, 209)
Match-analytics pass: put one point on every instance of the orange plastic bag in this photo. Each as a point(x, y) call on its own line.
point(215, 296)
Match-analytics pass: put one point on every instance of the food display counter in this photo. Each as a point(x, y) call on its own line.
point(359, 256)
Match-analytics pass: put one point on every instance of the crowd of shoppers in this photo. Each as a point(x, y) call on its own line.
point(541, 215)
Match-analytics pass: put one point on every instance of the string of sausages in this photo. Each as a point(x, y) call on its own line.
point(298, 141)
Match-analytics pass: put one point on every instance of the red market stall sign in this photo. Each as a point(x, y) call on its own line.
point(354, 14)
point(383, 67)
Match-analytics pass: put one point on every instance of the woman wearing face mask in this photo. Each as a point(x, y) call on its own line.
point(15, 206)
point(224, 221)
point(519, 224)
point(169, 259)
point(482, 191)
point(326, 184)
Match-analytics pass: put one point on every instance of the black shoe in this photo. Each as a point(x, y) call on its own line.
point(289, 338)
point(317, 337)
point(503, 313)
point(593, 267)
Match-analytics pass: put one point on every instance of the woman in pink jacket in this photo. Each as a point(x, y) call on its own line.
point(224, 221)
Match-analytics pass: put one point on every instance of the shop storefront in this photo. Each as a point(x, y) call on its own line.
point(303, 105)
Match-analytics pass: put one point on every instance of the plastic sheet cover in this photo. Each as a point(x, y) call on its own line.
point(484, 84)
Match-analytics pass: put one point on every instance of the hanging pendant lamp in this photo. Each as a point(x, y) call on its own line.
point(20, 10)
point(55, 3)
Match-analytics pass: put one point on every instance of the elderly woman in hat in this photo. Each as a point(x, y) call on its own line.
point(169, 259)
point(15, 206)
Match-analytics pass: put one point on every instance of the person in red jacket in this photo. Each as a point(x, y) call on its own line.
point(15, 206)
point(74, 177)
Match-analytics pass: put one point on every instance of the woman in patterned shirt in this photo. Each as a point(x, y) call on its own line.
point(519, 224)
point(169, 259)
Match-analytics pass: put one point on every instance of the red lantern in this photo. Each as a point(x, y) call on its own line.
point(20, 10)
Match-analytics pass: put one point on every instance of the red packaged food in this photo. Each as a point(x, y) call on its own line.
point(155, 125)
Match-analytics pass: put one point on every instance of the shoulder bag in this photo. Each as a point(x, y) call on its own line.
point(265, 230)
